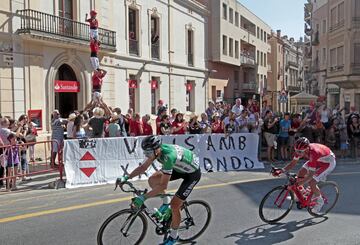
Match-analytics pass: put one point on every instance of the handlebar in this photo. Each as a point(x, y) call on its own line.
point(132, 189)
point(290, 176)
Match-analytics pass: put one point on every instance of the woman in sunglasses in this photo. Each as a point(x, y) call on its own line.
point(321, 162)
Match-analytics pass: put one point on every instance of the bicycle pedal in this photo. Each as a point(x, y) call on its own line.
point(298, 205)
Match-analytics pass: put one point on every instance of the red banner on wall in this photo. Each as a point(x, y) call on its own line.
point(67, 86)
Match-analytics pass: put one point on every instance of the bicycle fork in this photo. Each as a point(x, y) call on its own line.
point(127, 224)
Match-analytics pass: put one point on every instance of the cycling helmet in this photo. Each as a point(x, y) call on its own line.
point(93, 13)
point(302, 144)
point(150, 143)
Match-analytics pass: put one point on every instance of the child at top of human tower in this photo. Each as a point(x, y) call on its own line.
point(94, 33)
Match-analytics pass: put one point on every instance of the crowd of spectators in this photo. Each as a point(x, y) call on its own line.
point(277, 131)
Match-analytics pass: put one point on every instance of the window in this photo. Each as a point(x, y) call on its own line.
point(231, 47)
point(357, 51)
point(333, 57)
point(155, 43)
point(258, 32)
point(237, 49)
point(224, 11)
point(66, 9)
point(258, 57)
point(317, 27)
point(324, 26)
point(224, 48)
point(190, 47)
point(218, 93)
point(261, 35)
point(231, 15)
point(237, 19)
point(236, 79)
point(265, 36)
point(324, 55)
point(333, 17)
point(265, 61)
point(133, 32)
point(341, 16)
point(261, 59)
point(340, 56)
point(190, 95)
point(155, 94)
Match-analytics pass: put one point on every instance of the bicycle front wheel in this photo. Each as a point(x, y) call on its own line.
point(276, 204)
point(124, 227)
point(195, 218)
point(330, 193)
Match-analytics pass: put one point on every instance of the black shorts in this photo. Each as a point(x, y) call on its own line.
point(189, 182)
point(283, 141)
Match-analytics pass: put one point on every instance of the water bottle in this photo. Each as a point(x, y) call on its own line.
point(157, 214)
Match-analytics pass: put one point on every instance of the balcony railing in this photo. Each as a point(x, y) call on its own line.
point(337, 25)
point(293, 88)
point(133, 47)
point(250, 86)
point(190, 59)
point(247, 60)
point(155, 51)
point(50, 25)
point(293, 64)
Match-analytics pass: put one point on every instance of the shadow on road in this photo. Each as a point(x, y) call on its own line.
point(270, 234)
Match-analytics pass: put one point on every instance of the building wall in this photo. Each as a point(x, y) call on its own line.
point(28, 83)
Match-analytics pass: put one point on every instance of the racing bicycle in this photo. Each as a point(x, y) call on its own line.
point(278, 202)
point(129, 226)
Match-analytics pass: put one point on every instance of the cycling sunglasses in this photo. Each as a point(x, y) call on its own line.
point(300, 151)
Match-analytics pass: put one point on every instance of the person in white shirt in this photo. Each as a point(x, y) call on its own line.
point(238, 107)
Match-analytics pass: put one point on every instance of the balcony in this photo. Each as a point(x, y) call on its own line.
point(337, 26)
point(247, 60)
point(315, 40)
point(47, 26)
point(134, 47)
point(295, 89)
point(336, 68)
point(293, 64)
point(250, 87)
point(155, 51)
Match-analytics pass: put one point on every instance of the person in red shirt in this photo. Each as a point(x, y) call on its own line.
point(179, 126)
point(97, 79)
point(136, 127)
point(147, 129)
point(161, 113)
point(321, 162)
point(94, 47)
point(94, 25)
point(216, 126)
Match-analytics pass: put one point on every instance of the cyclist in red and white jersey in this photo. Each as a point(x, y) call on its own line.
point(321, 162)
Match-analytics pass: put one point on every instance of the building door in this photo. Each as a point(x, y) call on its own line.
point(66, 11)
point(66, 100)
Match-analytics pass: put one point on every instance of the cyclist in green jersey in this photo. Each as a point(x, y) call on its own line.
point(177, 163)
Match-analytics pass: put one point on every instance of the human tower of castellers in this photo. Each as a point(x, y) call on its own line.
point(98, 73)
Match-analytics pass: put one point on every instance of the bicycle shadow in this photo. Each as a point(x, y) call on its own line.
point(270, 234)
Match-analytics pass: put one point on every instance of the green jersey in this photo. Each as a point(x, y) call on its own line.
point(178, 158)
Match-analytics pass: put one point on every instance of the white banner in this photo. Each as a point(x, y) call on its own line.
point(100, 161)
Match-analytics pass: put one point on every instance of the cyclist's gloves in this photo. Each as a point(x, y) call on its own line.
point(138, 201)
point(121, 180)
point(278, 172)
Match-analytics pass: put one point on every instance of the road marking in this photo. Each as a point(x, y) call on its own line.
point(111, 201)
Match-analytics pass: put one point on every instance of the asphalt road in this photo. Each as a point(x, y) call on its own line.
point(74, 216)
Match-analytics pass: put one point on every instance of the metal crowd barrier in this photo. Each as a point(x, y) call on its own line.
point(42, 160)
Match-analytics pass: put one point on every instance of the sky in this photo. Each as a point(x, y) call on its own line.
point(286, 15)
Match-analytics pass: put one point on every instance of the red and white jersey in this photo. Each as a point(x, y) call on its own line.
point(320, 156)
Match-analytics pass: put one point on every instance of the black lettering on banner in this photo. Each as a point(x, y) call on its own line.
point(210, 144)
point(208, 164)
point(125, 169)
point(154, 167)
point(130, 150)
point(146, 174)
point(87, 143)
point(242, 142)
point(233, 162)
point(223, 164)
point(247, 161)
point(174, 141)
point(230, 145)
point(192, 147)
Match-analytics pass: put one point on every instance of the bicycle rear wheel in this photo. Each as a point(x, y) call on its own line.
point(330, 193)
point(276, 204)
point(124, 227)
point(196, 216)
